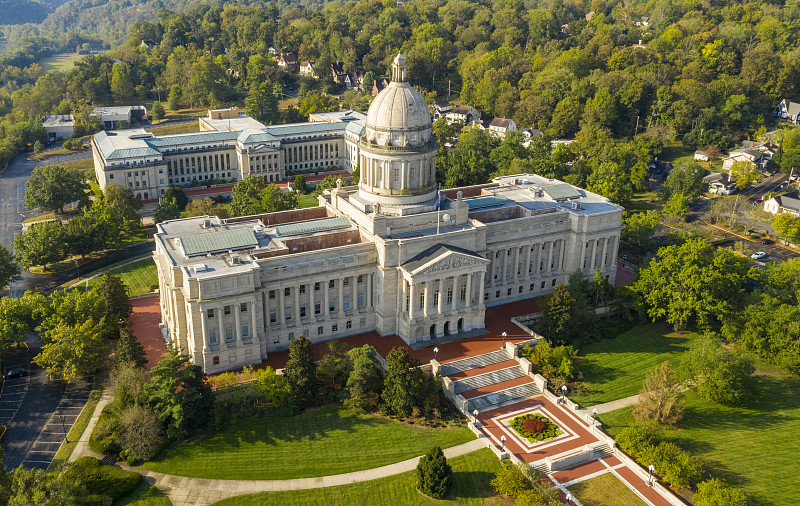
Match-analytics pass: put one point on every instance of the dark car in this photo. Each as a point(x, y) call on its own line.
point(767, 241)
point(15, 373)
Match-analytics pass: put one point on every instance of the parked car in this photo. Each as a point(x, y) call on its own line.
point(15, 373)
point(758, 255)
point(767, 241)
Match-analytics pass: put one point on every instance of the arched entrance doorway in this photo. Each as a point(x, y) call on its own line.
point(460, 325)
point(447, 328)
point(433, 331)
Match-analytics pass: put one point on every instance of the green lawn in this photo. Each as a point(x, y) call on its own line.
point(307, 201)
point(139, 276)
point(320, 442)
point(145, 495)
point(615, 368)
point(61, 61)
point(471, 476)
point(180, 128)
point(605, 490)
point(754, 447)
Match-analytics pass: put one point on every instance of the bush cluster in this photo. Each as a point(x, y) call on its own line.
point(645, 442)
point(556, 363)
point(535, 427)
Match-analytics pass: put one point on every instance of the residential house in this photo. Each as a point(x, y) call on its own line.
point(307, 69)
point(499, 126)
point(340, 76)
point(720, 183)
point(379, 84)
point(440, 109)
point(788, 203)
point(642, 21)
point(564, 30)
point(700, 156)
point(742, 155)
point(147, 44)
point(58, 126)
point(767, 149)
point(528, 134)
point(788, 110)
point(463, 114)
point(289, 62)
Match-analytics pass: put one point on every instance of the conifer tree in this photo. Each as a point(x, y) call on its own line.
point(301, 371)
point(129, 349)
point(434, 474)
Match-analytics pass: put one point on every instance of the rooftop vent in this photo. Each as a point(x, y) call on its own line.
point(575, 205)
point(235, 260)
point(198, 268)
point(206, 223)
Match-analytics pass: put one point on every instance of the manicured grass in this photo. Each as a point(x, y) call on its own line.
point(644, 201)
point(320, 442)
point(471, 476)
point(615, 368)
point(307, 201)
point(139, 276)
point(76, 432)
point(605, 490)
point(754, 447)
point(61, 61)
point(145, 495)
point(82, 164)
point(55, 152)
point(180, 128)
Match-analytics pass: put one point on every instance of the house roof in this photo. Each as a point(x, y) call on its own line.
point(792, 107)
point(500, 123)
point(462, 109)
point(789, 201)
point(719, 178)
point(700, 152)
point(338, 67)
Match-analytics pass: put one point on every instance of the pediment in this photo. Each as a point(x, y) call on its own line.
point(443, 258)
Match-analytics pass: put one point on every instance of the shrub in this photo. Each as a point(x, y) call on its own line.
point(556, 363)
point(434, 474)
point(715, 492)
point(105, 433)
point(535, 427)
point(102, 482)
point(659, 399)
point(513, 479)
point(644, 441)
point(140, 433)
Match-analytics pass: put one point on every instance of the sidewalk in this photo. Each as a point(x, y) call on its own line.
point(613, 405)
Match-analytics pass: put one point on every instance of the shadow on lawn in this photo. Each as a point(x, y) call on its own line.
point(308, 426)
point(470, 485)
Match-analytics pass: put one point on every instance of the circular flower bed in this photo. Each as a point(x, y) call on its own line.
point(535, 427)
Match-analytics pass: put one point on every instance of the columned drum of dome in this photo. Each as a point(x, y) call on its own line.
point(398, 150)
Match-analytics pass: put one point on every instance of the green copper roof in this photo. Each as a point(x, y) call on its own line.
point(307, 227)
point(561, 191)
point(211, 242)
point(196, 138)
point(481, 202)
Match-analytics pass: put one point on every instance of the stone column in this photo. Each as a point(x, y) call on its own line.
point(220, 325)
point(253, 332)
point(427, 298)
point(503, 264)
point(526, 269)
point(340, 302)
point(203, 325)
point(412, 300)
point(515, 269)
point(371, 303)
point(594, 255)
point(480, 288)
point(603, 261)
point(237, 321)
point(547, 266)
point(584, 247)
point(468, 299)
point(281, 311)
point(440, 309)
point(327, 311)
point(354, 300)
point(296, 304)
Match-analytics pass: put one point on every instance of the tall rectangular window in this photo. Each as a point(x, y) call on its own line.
point(228, 333)
point(346, 304)
point(449, 295)
point(212, 336)
point(422, 300)
point(463, 292)
point(436, 297)
point(245, 330)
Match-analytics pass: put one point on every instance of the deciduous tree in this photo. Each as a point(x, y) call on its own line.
point(9, 270)
point(51, 187)
point(73, 351)
point(718, 374)
point(41, 244)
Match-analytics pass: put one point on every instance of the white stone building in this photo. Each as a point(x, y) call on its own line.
point(393, 254)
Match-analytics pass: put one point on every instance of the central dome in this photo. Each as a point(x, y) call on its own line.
point(399, 115)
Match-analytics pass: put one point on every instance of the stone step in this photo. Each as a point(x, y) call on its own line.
point(503, 397)
point(474, 362)
point(489, 378)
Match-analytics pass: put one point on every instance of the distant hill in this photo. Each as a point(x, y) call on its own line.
point(16, 12)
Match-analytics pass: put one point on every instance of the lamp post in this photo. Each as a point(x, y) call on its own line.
point(63, 428)
point(652, 470)
point(594, 418)
point(569, 498)
point(435, 352)
point(564, 393)
point(475, 414)
point(502, 443)
point(504, 340)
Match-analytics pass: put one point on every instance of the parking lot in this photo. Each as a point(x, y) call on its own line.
point(11, 396)
point(57, 427)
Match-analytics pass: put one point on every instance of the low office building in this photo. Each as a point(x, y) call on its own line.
point(58, 126)
point(392, 255)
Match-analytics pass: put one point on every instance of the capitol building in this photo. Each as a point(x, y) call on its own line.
point(392, 254)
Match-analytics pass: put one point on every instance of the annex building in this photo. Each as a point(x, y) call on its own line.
point(230, 146)
point(392, 254)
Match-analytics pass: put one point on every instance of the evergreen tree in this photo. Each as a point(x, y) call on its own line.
point(129, 349)
point(557, 317)
point(301, 371)
point(174, 97)
point(157, 111)
point(115, 293)
point(402, 383)
point(364, 382)
point(434, 474)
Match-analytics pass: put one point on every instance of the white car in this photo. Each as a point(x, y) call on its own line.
point(758, 255)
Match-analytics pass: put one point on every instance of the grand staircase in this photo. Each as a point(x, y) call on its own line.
point(489, 381)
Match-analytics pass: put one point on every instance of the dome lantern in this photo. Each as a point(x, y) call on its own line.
point(399, 69)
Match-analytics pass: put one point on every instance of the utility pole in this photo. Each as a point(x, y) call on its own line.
point(636, 131)
point(448, 89)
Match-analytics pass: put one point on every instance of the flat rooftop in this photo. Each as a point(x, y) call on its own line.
point(242, 122)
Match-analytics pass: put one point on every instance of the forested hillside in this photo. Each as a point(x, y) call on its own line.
point(23, 11)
